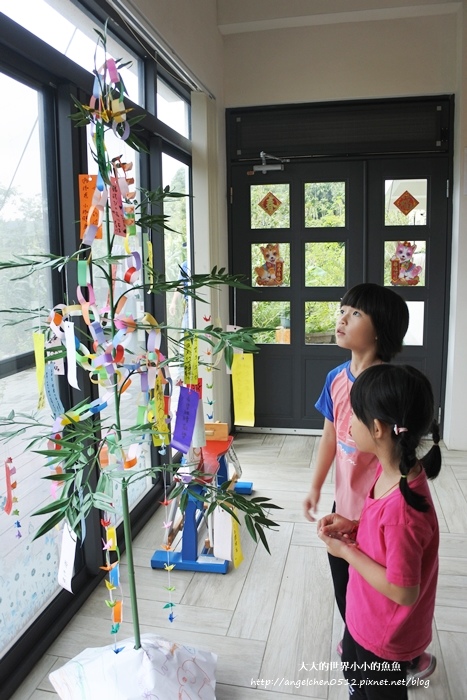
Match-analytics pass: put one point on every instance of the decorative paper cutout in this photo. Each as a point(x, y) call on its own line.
point(406, 202)
point(270, 274)
point(403, 270)
point(7, 501)
point(270, 203)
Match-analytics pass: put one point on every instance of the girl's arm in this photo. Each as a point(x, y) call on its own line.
point(372, 572)
point(324, 459)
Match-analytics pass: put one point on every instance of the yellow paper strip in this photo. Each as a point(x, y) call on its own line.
point(190, 359)
point(243, 388)
point(112, 535)
point(161, 431)
point(39, 355)
point(236, 544)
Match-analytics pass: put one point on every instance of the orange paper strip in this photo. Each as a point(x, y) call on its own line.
point(117, 612)
point(87, 185)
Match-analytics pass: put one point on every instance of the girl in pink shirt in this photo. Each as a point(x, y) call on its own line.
point(372, 323)
point(392, 551)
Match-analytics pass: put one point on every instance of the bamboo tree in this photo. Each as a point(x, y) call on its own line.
point(80, 443)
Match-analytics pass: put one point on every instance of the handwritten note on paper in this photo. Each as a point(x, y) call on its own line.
point(236, 544)
point(190, 359)
point(67, 558)
point(87, 185)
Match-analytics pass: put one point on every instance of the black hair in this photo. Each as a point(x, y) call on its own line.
point(388, 312)
point(402, 397)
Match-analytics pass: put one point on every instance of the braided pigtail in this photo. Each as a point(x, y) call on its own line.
point(431, 462)
point(407, 446)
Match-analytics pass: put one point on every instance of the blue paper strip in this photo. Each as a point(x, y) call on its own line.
point(185, 421)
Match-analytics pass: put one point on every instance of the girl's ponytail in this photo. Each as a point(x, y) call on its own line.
point(431, 462)
point(407, 446)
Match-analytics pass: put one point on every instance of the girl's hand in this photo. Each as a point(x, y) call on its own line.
point(338, 545)
point(310, 504)
point(336, 526)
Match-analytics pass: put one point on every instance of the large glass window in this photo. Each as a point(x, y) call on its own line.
point(177, 254)
point(68, 29)
point(28, 570)
point(173, 109)
point(37, 215)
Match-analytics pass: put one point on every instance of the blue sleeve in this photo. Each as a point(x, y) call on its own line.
point(324, 403)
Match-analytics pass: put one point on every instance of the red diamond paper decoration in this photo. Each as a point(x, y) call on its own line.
point(270, 203)
point(406, 202)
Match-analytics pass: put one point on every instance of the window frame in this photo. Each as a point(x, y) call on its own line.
point(58, 77)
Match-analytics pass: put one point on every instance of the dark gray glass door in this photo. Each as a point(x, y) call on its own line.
point(307, 233)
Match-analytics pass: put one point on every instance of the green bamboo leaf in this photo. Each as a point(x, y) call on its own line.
point(264, 521)
point(60, 503)
point(49, 524)
point(250, 527)
point(228, 356)
point(228, 509)
point(54, 453)
point(60, 477)
point(260, 532)
point(101, 501)
point(183, 501)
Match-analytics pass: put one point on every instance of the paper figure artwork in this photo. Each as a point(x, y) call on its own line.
point(270, 274)
point(403, 269)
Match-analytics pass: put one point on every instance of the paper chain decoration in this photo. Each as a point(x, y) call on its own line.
point(7, 502)
point(109, 362)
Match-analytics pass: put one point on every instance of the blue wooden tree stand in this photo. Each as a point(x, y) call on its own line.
point(188, 558)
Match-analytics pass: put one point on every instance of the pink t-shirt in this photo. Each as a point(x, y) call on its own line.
point(404, 541)
point(354, 470)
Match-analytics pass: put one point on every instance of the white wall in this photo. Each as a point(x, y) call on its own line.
point(279, 52)
point(190, 30)
point(388, 57)
point(455, 434)
point(415, 56)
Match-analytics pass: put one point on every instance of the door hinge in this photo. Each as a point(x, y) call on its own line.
point(231, 195)
point(439, 415)
point(447, 189)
